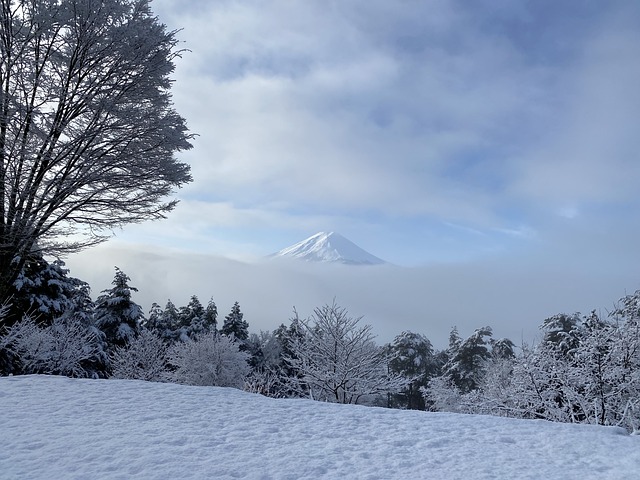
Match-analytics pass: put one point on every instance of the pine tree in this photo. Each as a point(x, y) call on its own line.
point(153, 319)
point(561, 332)
point(44, 291)
point(193, 318)
point(466, 366)
point(411, 355)
point(116, 314)
point(234, 325)
point(211, 317)
point(164, 323)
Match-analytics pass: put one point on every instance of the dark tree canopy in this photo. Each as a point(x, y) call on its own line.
point(88, 132)
point(116, 314)
point(234, 324)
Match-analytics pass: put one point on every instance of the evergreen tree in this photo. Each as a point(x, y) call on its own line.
point(211, 317)
point(561, 332)
point(411, 355)
point(502, 349)
point(153, 319)
point(195, 320)
point(234, 325)
point(466, 366)
point(116, 314)
point(44, 291)
point(164, 323)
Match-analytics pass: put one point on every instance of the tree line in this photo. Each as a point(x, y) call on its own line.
point(584, 369)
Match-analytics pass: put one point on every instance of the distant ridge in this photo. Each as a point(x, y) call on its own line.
point(329, 247)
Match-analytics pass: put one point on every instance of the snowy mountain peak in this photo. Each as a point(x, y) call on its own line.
point(329, 247)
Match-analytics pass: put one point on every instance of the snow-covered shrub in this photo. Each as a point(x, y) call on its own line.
point(264, 383)
point(442, 395)
point(210, 359)
point(144, 358)
point(63, 348)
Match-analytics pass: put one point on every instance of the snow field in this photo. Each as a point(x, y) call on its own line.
point(62, 428)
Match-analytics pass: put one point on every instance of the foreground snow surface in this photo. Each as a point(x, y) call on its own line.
point(61, 428)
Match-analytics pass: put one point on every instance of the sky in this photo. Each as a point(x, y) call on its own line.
point(58, 427)
point(487, 150)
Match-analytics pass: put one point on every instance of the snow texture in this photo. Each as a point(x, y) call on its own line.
point(57, 427)
point(330, 247)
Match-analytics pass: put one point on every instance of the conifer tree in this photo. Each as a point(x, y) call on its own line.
point(45, 291)
point(153, 319)
point(116, 314)
point(211, 316)
point(466, 366)
point(411, 355)
point(164, 323)
point(234, 325)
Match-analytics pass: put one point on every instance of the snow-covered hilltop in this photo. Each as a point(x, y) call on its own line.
point(329, 247)
point(57, 427)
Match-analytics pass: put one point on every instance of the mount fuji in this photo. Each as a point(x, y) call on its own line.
point(329, 247)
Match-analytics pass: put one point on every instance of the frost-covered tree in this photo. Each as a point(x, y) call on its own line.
point(561, 332)
point(234, 324)
point(466, 366)
point(411, 355)
point(144, 358)
point(210, 320)
point(45, 291)
point(88, 134)
point(338, 361)
point(116, 314)
point(268, 377)
point(197, 320)
point(168, 326)
point(208, 360)
point(152, 319)
point(595, 381)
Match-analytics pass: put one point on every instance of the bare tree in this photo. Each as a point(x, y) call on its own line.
point(338, 361)
point(87, 128)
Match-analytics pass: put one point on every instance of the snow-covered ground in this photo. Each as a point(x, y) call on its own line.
point(61, 428)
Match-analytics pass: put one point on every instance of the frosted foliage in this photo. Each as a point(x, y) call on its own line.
point(443, 395)
point(144, 358)
point(63, 348)
point(338, 361)
point(210, 359)
point(586, 371)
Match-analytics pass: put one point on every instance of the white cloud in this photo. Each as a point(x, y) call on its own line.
point(393, 122)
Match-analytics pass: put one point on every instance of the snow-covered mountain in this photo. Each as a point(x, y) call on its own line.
point(329, 247)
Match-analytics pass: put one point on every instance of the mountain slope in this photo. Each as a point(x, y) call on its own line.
point(330, 247)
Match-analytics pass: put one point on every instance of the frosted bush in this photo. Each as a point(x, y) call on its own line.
point(144, 358)
point(63, 348)
point(210, 359)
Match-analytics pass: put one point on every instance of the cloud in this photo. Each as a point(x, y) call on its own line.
point(492, 142)
point(351, 108)
point(511, 293)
